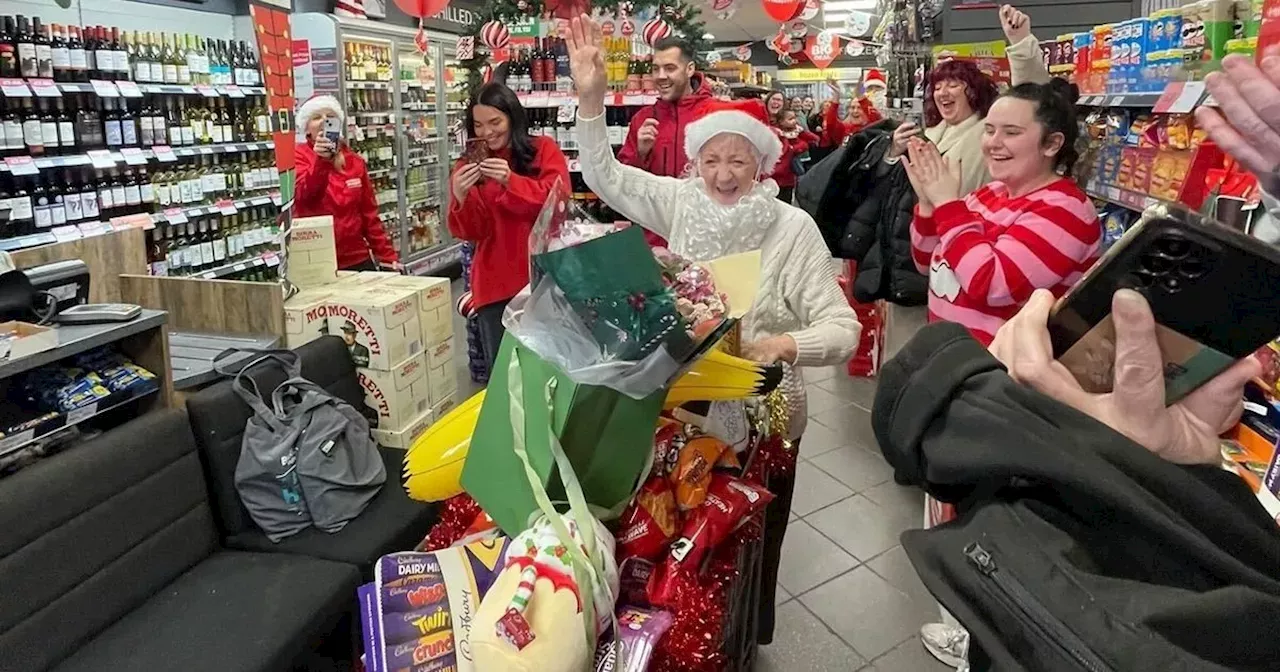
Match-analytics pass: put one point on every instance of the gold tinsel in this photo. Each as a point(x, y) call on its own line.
point(777, 421)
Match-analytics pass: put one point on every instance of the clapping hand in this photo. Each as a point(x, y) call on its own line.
point(1246, 124)
point(935, 179)
point(1016, 24)
point(1184, 433)
point(586, 63)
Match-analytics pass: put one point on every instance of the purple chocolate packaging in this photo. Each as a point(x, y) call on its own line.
point(399, 628)
point(434, 653)
point(370, 626)
point(633, 581)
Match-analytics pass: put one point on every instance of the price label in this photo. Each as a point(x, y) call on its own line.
point(271, 259)
point(566, 113)
point(45, 88)
point(227, 207)
point(176, 216)
point(633, 99)
point(206, 150)
point(232, 91)
point(614, 100)
point(14, 88)
point(275, 197)
point(18, 439)
point(129, 89)
point(133, 156)
point(575, 166)
point(66, 233)
point(90, 229)
point(206, 91)
point(21, 165)
point(82, 413)
point(164, 153)
point(238, 268)
point(1180, 98)
point(101, 158)
point(105, 89)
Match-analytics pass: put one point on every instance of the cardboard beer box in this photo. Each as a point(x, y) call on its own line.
point(440, 408)
point(380, 325)
point(440, 354)
point(304, 317)
point(403, 438)
point(313, 255)
point(442, 381)
point(398, 396)
point(435, 307)
point(366, 278)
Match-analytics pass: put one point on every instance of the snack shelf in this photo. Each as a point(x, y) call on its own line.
point(74, 339)
point(118, 156)
point(1124, 198)
point(47, 424)
point(1120, 99)
point(268, 259)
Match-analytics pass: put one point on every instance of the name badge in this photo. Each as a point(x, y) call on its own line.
point(353, 183)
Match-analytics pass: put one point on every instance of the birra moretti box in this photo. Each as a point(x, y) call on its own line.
point(313, 256)
point(435, 309)
point(399, 396)
point(379, 324)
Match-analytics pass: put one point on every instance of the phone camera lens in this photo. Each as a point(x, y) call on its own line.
point(1174, 248)
point(1171, 283)
point(1192, 268)
point(1139, 279)
point(1157, 264)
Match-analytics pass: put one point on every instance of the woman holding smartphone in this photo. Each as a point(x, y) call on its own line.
point(498, 188)
point(333, 180)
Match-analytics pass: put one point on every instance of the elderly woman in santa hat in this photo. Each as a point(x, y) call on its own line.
point(333, 180)
point(799, 316)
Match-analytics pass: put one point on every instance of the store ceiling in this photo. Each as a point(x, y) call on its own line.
point(751, 23)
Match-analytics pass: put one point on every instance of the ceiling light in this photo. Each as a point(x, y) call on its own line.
point(708, 36)
point(844, 5)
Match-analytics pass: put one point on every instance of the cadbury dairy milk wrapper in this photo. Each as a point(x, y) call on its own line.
point(433, 653)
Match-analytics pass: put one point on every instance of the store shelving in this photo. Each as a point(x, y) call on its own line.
point(152, 154)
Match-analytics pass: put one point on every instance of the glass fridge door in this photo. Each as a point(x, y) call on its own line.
point(420, 141)
point(368, 96)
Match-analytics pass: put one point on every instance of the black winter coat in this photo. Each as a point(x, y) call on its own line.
point(1074, 548)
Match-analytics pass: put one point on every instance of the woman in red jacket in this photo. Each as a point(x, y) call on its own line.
point(496, 201)
point(333, 180)
point(795, 142)
point(861, 115)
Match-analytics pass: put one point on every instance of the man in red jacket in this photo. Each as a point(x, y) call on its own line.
point(655, 140)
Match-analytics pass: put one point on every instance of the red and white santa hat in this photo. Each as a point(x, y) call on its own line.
point(319, 105)
point(873, 78)
point(747, 118)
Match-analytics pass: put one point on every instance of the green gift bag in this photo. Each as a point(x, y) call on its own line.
point(606, 435)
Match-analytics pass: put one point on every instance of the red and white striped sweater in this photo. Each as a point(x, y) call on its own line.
point(986, 254)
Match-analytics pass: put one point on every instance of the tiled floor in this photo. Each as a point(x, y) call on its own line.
point(850, 600)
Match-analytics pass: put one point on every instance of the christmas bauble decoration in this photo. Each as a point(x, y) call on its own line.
point(655, 30)
point(627, 28)
point(855, 48)
point(742, 52)
point(797, 28)
point(783, 10)
point(608, 27)
point(495, 35)
point(419, 9)
point(811, 9)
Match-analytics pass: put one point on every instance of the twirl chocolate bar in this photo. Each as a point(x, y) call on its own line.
point(399, 628)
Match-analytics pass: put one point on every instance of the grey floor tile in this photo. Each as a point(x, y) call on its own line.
point(862, 527)
point(780, 595)
point(869, 668)
point(894, 567)
point(867, 612)
point(855, 467)
point(818, 439)
point(802, 642)
point(816, 374)
point(810, 559)
point(907, 500)
point(819, 400)
point(815, 489)
point(909, 656)
point(851, 423)
point(861, 391)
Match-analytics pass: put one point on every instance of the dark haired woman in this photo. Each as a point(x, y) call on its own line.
point(496, 200)
point(774, 103)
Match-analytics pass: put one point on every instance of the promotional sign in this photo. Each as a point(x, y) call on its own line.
point(797, 28)
point(812, 75)
point(823, 48)
point(418, 9)
point(988, 56)
point(811, 9)
point(855, 48)
point(783, 10)
point(858, 23)
point(742, 53)
point(724, 9)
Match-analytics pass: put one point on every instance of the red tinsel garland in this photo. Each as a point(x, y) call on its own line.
point(773, 457)
point(456, 516)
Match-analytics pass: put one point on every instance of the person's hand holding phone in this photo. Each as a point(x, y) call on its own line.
point(464, 179)
point(1184, 433)
point(901, 135)
point(325, 148)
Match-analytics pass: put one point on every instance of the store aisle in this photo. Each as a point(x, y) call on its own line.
point(850, 600)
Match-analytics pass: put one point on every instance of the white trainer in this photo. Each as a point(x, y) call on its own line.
point(947, 643)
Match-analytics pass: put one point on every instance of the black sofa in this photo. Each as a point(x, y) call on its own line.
point(391, 523)
point(110, 560)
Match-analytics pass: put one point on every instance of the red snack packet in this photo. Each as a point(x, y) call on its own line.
point(729, 503)
point(692, 474)
point(649, 521)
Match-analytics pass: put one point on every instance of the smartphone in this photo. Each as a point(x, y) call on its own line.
point(332, 130)
point(1214, 292)
point(477, 150)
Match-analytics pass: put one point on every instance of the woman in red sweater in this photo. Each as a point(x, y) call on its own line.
point(496, 200)
point(795, 142)
point(1029, 228)
point(861, 115)
point(333, 180)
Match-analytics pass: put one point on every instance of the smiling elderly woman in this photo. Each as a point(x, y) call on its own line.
point(799, 316)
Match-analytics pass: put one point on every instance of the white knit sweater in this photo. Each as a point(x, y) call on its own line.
point(798, 294)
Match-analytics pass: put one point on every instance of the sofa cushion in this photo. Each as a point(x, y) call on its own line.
point(218, 416)
point(233, 612)
point(89, 534)
point(391, 523)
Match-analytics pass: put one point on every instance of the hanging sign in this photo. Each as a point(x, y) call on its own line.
point(780, 43)
point(811, 9)
point(742, 53)
point(724, 9)
point(857, 24)
point(713, 57)
point(797, 28)
point(823, 48)
point(855, 48)
point(783, 10)
point(608, 27)
point(628, 27)
point(466, 49)
point(421, 9)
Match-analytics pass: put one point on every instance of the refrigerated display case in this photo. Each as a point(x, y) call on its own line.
point(393, 94)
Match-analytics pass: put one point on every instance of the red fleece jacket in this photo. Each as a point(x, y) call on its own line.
point(835, 129)
point(346, 194)
point(498, 220)
point(783, 173)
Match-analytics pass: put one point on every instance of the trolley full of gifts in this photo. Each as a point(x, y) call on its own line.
point(602, 501)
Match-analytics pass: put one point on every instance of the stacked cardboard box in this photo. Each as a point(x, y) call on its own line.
point(313, 256)
point(400, 335)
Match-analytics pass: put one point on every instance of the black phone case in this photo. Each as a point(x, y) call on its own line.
point(1207, 282)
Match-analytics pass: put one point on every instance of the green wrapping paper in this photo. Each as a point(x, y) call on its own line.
point(607, 436)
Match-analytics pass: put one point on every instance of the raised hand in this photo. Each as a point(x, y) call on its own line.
point(1246, 123)
point(1016, 24)
point(586, 63)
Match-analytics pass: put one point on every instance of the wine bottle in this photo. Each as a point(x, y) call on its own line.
point(57, 203)
point(89, 200)
point(14, 141)
point(61, 56)
point(128, 125)
point(121, 50)
point(42, 207)
point(44, 49)
point(31, 129)
point(146, 189)
point(132, 191)
point(71, 203)
point(111, 125)
point(76, 55)
point(146, 126)
point(8, 49)
point(66, 129)
point(48, 128)
point(117, 191)
point(219, 243)
point(104, 54)
point(169, 66)
point(26, 49)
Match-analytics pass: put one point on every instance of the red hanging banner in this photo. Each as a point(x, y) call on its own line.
point(822, 48)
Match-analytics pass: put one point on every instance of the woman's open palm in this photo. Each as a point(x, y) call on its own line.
point(586, 61)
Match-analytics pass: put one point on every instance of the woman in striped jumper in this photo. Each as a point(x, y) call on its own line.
point(1029, 228)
